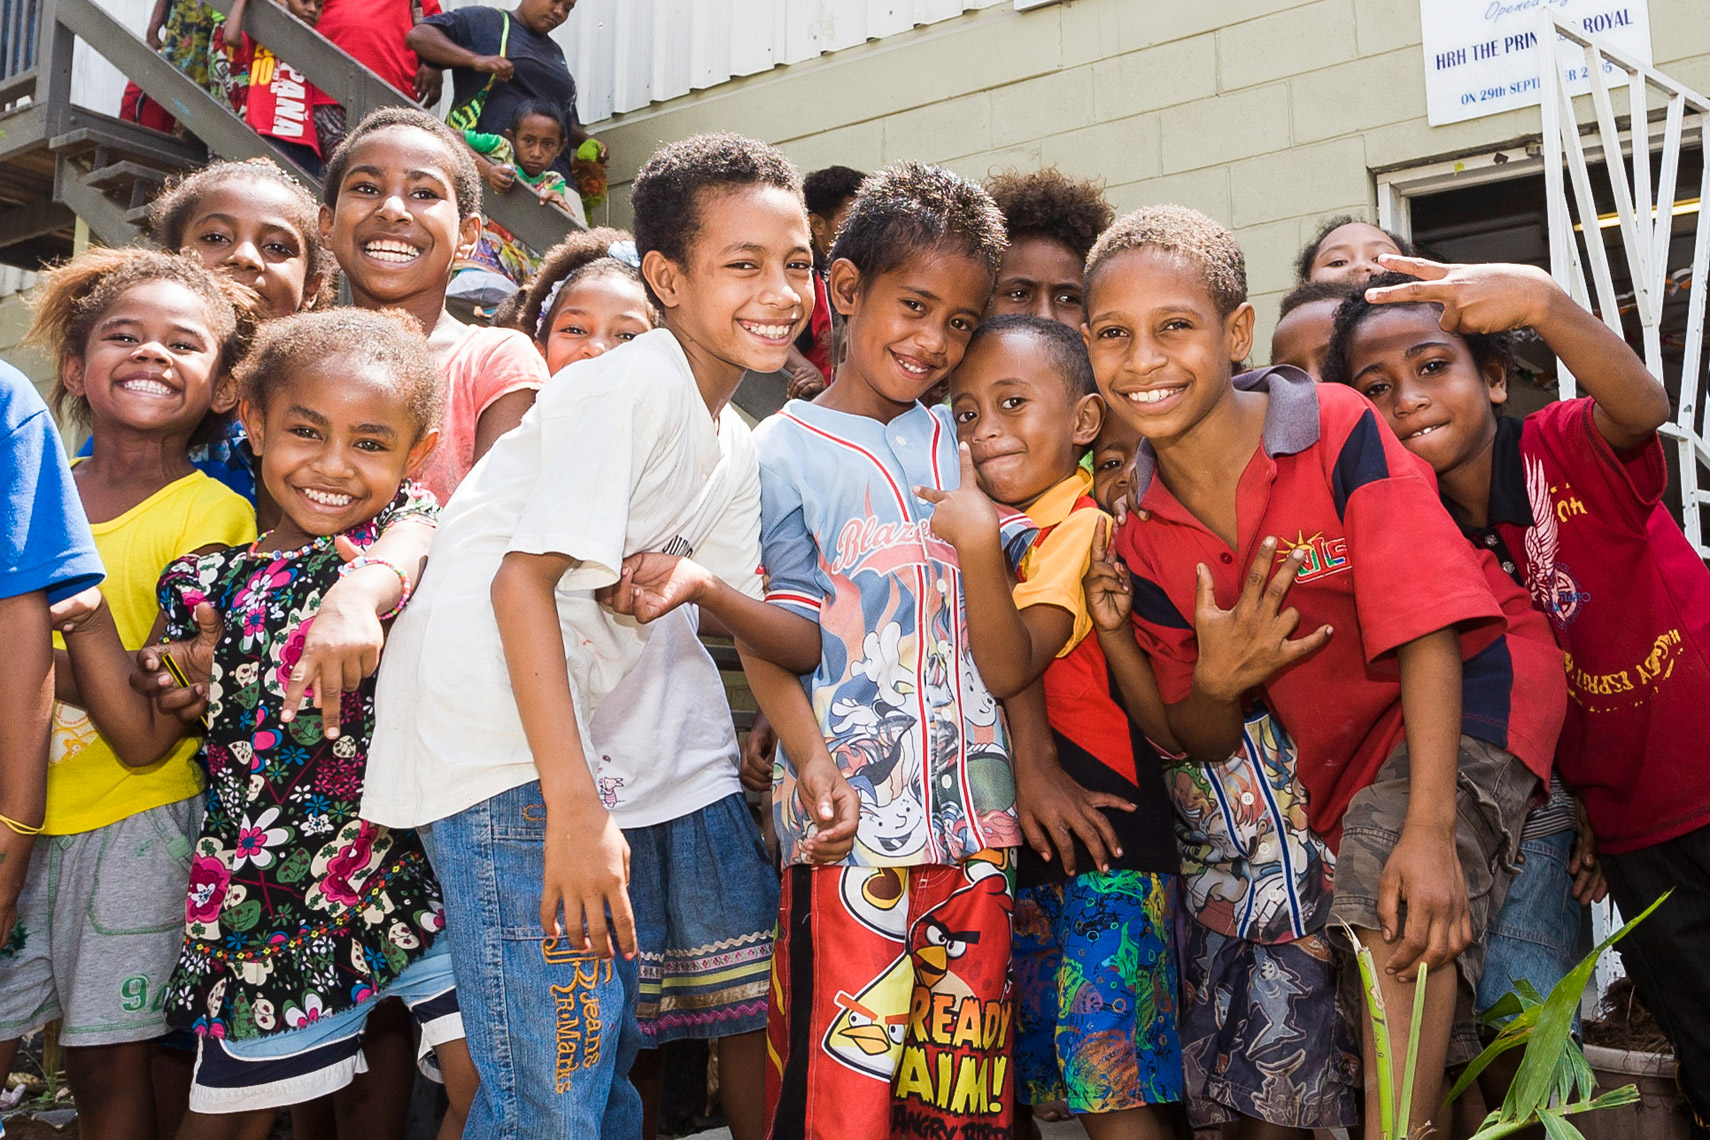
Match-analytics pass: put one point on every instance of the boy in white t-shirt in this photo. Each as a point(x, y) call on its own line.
point(504, 652)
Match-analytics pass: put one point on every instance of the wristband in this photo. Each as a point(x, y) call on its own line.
point(20, 828)
point(405, 587)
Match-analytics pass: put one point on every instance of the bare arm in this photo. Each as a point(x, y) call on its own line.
point(1054, 809)
point(586, 859)
point(500, 417)
point(651, 585)
point(26, 693)
point(826, 796)
point(137, 731)
point(1136, 685)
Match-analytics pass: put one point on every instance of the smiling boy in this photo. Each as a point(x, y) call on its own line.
point(1423, 728)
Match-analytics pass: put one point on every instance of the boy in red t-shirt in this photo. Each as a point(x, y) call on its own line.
point(1424, 723)
point(273, 97)
point(1570, 499)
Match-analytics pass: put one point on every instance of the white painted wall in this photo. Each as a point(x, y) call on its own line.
point(95, 83)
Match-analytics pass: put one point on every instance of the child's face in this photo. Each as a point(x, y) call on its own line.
point(1303, 337)
point(334, 443)
point(541, 16)
point(1427, 385)
point(1350, 253)
point(395, 229)
point(1160, 349)
point(743, 295)
point(537, 141)
point(1113, 451)
point(1040, 278)
point(243, 228)
point(825, 228)
point(907, 329)
point(150, 362)
point(593, 316)
point(1014, 411)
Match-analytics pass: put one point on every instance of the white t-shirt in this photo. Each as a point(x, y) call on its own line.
point(618, 455)
point(664, 738)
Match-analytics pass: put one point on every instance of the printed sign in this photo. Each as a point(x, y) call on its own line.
point(1481, 55)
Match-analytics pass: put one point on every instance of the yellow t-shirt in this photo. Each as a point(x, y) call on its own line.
point(88, 785)
point(1053, 569)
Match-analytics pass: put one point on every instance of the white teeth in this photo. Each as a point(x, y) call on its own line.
point(394, 251)
point(1152, 395)
point(327, 498)
point(770, 332)
point(912, 370)
point(1424, 431)
point(146, 387)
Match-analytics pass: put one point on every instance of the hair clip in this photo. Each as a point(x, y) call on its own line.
point(624, 250)
point(546, 304)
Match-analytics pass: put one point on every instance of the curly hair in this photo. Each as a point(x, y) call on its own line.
point(460, 163)
point(1485, 348)
point(71, 299)
point(584, 254)
point(1187, 234)
point(388, 340)
point(1309, 253)
point(1068, 352)
point(1313, 291)
point(1048, 203)
point(669, 190)
point(910, 210)
point(826, 190)
point(175, 207)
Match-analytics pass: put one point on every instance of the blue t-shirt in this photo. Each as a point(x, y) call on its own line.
point(44, 534)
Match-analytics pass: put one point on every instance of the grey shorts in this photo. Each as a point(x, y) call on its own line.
point(1494, 791)
point(103, 922)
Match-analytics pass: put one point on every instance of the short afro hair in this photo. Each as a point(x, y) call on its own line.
point(71, 299)
point(1485, 348)
point(1064, 345)
point(175, 206)
point(913, 210)
point(1048, 203)
point(1314, 291)
point(1184, 233)
point(826, 190)
point(1309, 253)
point(388, 339)
point(460, 166)
point(584, 254)
point(669, 191)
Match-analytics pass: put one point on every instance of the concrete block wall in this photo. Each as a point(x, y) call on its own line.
point(1269, 115)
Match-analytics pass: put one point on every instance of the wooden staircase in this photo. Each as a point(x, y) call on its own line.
point(59, 162)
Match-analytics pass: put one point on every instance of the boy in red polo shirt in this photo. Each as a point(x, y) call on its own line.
point(1424, 726)
point(1570, 498)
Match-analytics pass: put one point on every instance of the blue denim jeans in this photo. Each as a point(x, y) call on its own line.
point(1536, 933)
point(552, 1031)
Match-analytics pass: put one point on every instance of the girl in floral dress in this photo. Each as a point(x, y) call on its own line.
point(299, 914)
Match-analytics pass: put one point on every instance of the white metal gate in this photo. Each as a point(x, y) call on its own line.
point(1645, 213)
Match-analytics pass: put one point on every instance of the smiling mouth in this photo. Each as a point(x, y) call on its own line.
point(145, 386)
point(395, 252)
point(1424, 431)
point(912, 366)
point(778, 332)
point(334, 499)
point(1148, 396)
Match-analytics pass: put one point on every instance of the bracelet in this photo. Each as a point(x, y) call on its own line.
point(405, 588)
point(21, 828)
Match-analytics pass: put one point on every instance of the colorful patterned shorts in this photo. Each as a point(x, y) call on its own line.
point(1095, 974)
point(1262, 1034)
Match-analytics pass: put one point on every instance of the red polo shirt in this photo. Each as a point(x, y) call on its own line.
point(1385, 565)
point(1629, 599)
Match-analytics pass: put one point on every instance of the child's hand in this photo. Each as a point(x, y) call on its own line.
point(194, 658)
point(501, 177)
point(1055, 809)
point(1242, 647)
point(1109, 594)
point(1424, 872)
point(833, 806)
point(1476, 298)
point(587, 880)
point(758, 748)
point(429, 84)
point(77, 613)
point(963, 517)
point(1588, 883)
point(341, 646)
point(651, 585)
point(497, 66)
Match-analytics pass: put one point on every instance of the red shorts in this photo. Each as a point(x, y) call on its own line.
point(891, 1006)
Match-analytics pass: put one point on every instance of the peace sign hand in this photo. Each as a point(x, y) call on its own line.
point(1109, 593)
point(1475, 298)
point(965, 516)
point(1242, 647)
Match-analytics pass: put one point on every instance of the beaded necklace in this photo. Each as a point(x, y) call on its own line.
point(319, 543)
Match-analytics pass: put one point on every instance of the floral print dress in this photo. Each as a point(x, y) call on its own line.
point(297, 908)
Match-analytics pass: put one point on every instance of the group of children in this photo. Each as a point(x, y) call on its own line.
point(1106, 692)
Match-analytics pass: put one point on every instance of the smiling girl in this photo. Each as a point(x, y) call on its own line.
point(402, 203)
point(300, 915)
point(143, 342)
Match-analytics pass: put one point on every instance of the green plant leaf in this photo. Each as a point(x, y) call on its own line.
point(1404, 1114)
point(1379, 1019)
point(1615, 1098)
point(1556, 1126)
point(1529, 995)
